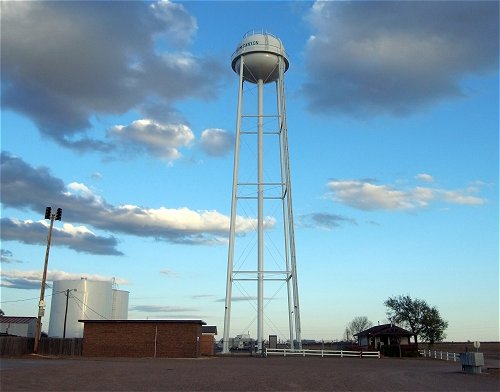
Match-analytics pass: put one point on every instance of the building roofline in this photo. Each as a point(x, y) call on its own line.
point(209, 329)
point(16, 319)
point(384, 329)
point(144, 321)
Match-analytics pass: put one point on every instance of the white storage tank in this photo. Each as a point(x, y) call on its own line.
point(87, 300)
point(119, 310)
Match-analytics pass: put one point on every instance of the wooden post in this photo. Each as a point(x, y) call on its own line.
point(41, 304)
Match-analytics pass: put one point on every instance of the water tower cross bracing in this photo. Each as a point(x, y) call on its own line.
point(260, 60)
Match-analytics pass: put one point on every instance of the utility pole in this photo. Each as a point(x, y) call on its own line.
point(66, 311)
point(41, 304)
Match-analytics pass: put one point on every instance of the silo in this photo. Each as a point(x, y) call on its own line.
point(85, 299)
point(119, 310)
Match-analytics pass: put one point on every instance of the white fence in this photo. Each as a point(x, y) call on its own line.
point(440, 355)
point(323, 353)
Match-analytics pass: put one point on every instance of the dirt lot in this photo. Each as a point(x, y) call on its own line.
point(240, 374)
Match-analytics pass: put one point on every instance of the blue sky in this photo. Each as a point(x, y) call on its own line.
point(123, 114)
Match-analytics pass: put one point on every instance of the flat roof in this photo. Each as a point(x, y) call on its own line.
point(16, 319)
point(209, 329)
point(146, 321)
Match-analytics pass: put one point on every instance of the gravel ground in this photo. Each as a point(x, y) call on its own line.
point(240, 374)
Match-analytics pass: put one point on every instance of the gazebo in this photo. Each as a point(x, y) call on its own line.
point(383, 335)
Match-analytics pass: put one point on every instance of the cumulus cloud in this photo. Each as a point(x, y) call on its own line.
point(465, 197)
point(7, 257)
point(66, 62)
point(216, 142)
point(169, 273)
point(244, 299)
point(160, 140)
point(161, 309)
point(323, 220)
point(203, 296)
point(96, 176)
point(78, 238)
point(365, 195)
point(24, 186)
point(32, 279)
point(396, 57)
point(424, 177)
point(179, 26)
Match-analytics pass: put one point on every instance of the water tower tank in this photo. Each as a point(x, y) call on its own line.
point(261, 52)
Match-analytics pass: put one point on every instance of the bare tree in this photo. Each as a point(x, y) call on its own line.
point(358, 324)
point(347, 335)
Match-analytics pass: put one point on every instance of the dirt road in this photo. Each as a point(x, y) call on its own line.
point(240, 374)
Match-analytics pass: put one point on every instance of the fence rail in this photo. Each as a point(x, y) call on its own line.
point(323, 353)
point(15, 346)
point(444, 355)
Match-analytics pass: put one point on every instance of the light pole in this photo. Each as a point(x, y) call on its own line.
point(41, 304)
point(66, 311)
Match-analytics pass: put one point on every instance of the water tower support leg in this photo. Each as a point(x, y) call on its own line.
point(232, 225)
point(260, 220)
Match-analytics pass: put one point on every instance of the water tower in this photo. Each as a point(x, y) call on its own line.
point(260, 61)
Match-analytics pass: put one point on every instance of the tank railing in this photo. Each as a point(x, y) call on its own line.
point(261, 31)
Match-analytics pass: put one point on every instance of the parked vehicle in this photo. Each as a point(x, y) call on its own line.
point(239, 342)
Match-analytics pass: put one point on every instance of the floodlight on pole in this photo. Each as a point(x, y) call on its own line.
point(41, 304)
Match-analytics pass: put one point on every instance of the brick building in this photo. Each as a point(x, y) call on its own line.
point(142, 338)
point(208, 340)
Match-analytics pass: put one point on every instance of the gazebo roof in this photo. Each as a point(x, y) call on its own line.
point(385, 329)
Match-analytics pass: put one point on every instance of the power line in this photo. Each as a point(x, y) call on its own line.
point(29, 299)
point(79, 300)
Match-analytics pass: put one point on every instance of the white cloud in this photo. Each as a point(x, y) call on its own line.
point(23, 187)
point(184, 220)
point(78, 238)
point(424, 177)
point(461, 197)
point(169, 273)
point(390, 57)
point(160, 308)
point(216, 142)
point(368, 196)
point(32, 279)
point(323, 220)
point(115, 66)
point(365, 195)
point(179, 24)
point(82, 190)
point(161, 140)
point(96, 175)
point(75, 230)
point(6, 256)
point(184, 62)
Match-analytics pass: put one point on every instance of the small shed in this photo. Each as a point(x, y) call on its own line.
point(208, 340)
point(142, 338)
point(385, 334)
point(18, 326)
